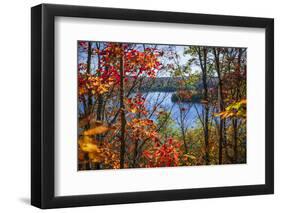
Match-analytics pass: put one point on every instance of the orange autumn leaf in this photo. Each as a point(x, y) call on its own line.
point(95, 157)
point(86, 144)
point(134, 110)
point(81, 155)
point(243, 101)
point(88, 147)
point(96, 130)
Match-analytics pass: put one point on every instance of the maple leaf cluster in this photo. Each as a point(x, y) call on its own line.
point(135, 62)
point(163, 154)
point(93, 84)
point(141, 129)
point(136, 104)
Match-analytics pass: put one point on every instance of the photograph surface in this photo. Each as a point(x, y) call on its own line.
point(160, 105)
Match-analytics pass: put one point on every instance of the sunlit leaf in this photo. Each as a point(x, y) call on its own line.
point(96, 130)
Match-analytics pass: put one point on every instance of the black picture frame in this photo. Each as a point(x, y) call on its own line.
point(43, 110)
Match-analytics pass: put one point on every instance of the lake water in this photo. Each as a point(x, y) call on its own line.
point(163, 101)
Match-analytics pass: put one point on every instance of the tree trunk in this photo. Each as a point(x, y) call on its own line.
point(122, 114)
point(234, 123)
point(234, 120)
point(220, 102)
point(203, 63)
point(89, 105)
point(99, 97)
point(206, 135)
point(184, 140)
point(135, 154)
point(99, 113)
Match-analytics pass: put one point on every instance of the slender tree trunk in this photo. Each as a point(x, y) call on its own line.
point(235, 138)
point(206, 108)
point(89, 57)
point(234, 120)
point(183, 131)
point(220, 103)
point(203, 63)
point(184, 140)
point(122, 114)
point(224, 140)
point(99, 97)
point(89, 105)
point(135, 154)
point(206, 135)
point(99, 113)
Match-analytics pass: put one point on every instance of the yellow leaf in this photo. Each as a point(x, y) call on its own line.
point(189, 156)
point(134, 110)
point(82, 91)
point(96, 130)
point(94, 157)
point(85, 139)
point(230, 114)
point(219, 114)
point(89, 147)
point(224, 115)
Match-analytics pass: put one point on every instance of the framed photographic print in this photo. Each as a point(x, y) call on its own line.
point(139, 106)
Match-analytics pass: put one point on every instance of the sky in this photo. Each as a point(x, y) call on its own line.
point(179, 49)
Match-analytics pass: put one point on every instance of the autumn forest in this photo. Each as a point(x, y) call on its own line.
point(160, 105)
